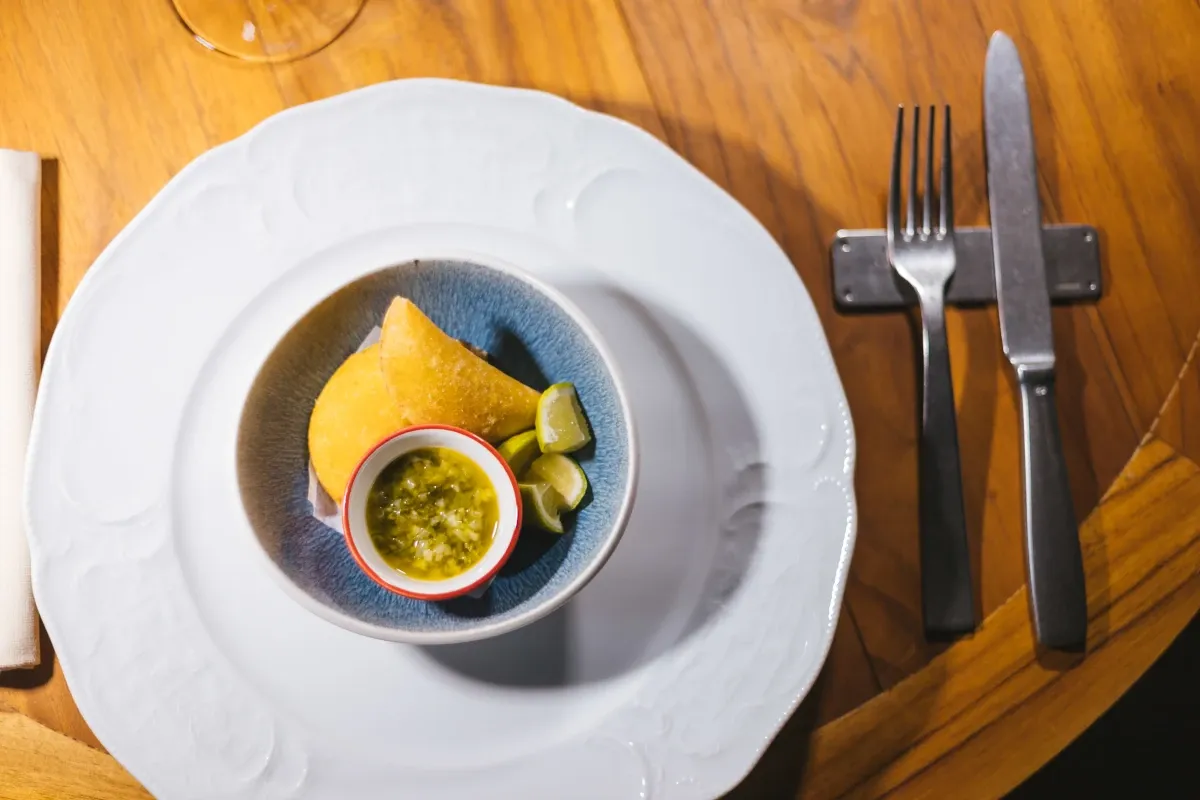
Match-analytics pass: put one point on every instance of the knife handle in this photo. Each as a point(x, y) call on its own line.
point(947, 597)
point(1057, 596)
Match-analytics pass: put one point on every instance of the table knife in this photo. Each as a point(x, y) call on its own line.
point(1058, 601)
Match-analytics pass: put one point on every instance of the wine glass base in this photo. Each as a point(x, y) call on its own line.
point(266, 31)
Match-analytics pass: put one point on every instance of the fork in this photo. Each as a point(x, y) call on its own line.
point(924, 257)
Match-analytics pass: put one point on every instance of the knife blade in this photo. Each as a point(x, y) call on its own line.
point(1020, 267)
point(1058, 599)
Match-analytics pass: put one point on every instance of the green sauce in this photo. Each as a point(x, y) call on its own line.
point(432, 513)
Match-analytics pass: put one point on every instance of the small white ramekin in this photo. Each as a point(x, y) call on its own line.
point(354, 517)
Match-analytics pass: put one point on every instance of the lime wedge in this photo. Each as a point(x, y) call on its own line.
point(519, 451)
point(563, 474)
point(543, 506)
point(560, 424)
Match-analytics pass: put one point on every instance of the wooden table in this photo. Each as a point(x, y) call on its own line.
point(788, 104)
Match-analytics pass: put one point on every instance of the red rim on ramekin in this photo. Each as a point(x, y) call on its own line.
point(479, 580)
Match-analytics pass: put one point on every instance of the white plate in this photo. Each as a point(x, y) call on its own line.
point(666, 677)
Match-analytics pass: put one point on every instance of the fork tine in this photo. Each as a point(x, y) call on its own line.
point(946, 223)
point(911, 227)
point(893, 208)
point(927, 201)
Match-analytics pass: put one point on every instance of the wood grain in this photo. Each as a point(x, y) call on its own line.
point(989, 709)
point(789, 106)
point(42, 694)
point(1179, 422)
point(39, 764)
point(803, 96)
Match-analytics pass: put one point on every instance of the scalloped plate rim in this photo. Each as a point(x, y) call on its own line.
point(89, 285)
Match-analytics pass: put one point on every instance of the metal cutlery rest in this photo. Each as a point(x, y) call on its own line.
point(863, 280)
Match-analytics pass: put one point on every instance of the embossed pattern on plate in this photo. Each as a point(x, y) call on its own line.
point(665, 678)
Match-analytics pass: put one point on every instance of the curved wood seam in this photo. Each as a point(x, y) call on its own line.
point(1012, 709)
point(1023, 666)
point(1119, 489)
point(1187, 363)
point(993, 761)
point(65, 735)
point(39, 762)
point(1149, 473)
point(1124, 484)
point(1021, 706)
point(1069, 683)
point(1124, 488)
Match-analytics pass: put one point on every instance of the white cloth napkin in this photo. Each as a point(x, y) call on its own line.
point(20, 289)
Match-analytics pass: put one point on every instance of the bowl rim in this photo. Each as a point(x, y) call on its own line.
point(487, 629)
point(513, 535)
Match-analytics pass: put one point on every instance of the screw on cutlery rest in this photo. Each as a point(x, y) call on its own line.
point(863, 280)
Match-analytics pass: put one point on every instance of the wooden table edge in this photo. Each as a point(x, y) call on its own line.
point(986, 727)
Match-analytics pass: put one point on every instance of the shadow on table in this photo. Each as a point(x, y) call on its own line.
point(976, 422)
point(49, 245)
point(37, 676)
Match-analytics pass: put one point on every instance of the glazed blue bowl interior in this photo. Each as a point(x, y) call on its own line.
point(526, 334)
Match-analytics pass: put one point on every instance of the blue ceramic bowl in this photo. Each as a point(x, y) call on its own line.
point(528, 330)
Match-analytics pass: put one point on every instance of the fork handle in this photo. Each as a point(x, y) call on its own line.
point(947, 597)
point(1057, 595)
